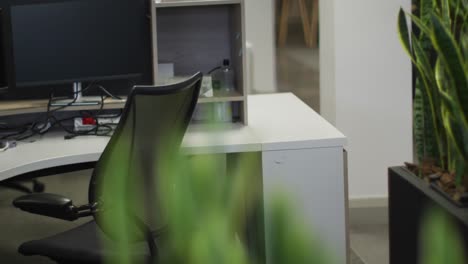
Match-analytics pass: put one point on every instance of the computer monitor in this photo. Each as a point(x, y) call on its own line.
point(3, 71)
point(74, 41)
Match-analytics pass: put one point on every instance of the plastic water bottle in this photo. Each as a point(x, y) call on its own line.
point(223, 82)
point(223, 78)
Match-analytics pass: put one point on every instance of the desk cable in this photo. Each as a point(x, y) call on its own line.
point(45, 122)
point(5, 147)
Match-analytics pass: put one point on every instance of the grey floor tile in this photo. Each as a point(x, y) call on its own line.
point(17, 227)
point(369, 234)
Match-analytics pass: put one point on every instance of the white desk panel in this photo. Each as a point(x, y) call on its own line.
point(283, 121)
point(277, 122)
point(51, 150)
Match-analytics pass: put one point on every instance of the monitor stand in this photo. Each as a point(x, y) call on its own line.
point(78, 98)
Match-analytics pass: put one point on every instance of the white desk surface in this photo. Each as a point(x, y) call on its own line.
point(283, 121)
point(276, 122)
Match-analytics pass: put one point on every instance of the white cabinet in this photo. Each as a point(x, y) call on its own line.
point(314, 179)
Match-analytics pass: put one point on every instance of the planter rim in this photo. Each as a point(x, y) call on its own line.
point(435, 196)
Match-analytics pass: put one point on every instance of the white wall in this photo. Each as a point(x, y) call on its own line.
point(365, 82)
point(327, 60)
point(366, 88)
point(260, 34)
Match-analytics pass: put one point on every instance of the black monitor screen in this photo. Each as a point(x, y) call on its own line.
point(3, 71)
point(79, 40)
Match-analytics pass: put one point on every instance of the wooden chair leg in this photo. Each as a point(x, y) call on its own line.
point(314, 24)
point(283, 25)
point(305, 22)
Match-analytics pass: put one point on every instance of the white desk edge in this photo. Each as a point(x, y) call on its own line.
point(276, 122)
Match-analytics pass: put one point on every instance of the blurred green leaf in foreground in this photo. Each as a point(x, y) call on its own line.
point(440, 239)
point(207, 212)
point(208, 203)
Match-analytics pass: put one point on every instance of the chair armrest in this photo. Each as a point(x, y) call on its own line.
point(52, 205)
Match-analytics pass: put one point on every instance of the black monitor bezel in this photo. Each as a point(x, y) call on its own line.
point(7, 45)
point(6, 6)
point(3, 65)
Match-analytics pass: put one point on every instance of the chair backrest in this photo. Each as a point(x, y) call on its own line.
point(124, 180)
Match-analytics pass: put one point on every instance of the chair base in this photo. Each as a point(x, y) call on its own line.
point(86, 243)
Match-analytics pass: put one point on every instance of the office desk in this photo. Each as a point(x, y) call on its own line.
point(300, 153)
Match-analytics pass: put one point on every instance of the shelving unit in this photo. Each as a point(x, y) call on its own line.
point(198, 36)
point(195, 36)
point(220, 97)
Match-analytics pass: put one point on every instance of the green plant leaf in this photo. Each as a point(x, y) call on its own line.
point(431, 100)
point(424, 133)
point(403, 32)
point(420, 24)
point(426, 68)
point(418, 123)
point(445, 12)
point(458, 14)
point(289, 239)
point(426, 7)
point(451, 56)
point(448, 95)
point(460, 168)
point(454, 135)
point(441, 241)
point(464, 44)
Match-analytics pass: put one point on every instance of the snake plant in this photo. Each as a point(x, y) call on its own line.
point(440, 55)
point(426, 137)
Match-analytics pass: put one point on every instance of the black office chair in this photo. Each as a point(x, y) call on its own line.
point(152, 117)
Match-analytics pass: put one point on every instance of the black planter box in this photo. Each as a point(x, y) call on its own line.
point(409, 199)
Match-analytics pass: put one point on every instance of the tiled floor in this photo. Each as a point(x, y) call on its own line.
point(17, 226)
point(369, 234)
point(370, 242)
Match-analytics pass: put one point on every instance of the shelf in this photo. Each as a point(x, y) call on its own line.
point(37, 106)
point(182, 3)
point(219, 97)
point(233, 96)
